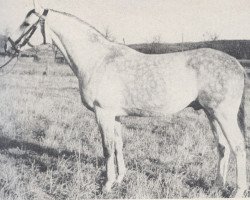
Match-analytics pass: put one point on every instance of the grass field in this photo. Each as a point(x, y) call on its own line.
point(50, 147)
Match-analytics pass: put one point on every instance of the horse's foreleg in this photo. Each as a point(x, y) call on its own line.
point(106, 122)
point(118, 152)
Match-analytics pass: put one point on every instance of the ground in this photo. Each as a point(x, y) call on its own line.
point(50, 147)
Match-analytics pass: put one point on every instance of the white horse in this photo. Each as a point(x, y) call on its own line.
point(115, 80)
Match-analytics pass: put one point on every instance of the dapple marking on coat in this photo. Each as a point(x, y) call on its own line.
point(115, 80)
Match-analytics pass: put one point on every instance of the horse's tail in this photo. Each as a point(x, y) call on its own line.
point(241, 113)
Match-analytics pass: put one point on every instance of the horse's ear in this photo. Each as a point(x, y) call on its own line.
point(37, 7)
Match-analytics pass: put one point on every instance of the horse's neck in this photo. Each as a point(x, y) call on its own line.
point(82, 45)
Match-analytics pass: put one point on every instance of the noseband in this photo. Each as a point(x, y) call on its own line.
point(15, 44)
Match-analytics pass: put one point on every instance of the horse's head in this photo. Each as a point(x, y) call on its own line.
point(21, 36)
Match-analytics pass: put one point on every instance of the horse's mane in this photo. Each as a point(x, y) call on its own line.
point(80, 20)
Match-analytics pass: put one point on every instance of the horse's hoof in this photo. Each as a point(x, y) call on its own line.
point(108, 186)
point(219, 182)
point(119, 179)
point(240, 193)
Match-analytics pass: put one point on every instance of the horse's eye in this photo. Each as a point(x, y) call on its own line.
point(26, 24)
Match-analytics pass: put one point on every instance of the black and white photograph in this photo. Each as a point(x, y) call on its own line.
point(124, 99)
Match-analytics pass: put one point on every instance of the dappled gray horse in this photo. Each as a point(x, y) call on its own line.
point(115, 80)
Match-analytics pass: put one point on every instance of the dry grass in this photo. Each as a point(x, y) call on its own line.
point(50, 146)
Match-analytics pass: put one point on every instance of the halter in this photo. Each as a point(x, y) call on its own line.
point(29, 32)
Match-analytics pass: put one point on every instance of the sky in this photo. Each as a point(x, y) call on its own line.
point(140, 21)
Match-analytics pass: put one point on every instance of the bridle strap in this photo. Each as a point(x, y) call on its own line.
point(45, 12)
point(30, 35)
point(13, 44)
point(42, 23)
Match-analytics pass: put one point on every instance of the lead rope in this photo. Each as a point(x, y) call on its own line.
point(8, 61)
point(5, 73)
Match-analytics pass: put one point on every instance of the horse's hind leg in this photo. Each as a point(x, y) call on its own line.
point(224, 154)
point(227, 118)
point(121, 169)
point(223, 150)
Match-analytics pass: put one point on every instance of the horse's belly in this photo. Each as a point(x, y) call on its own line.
point(158, 109)
point(161, 97)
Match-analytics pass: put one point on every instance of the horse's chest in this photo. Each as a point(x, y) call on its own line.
point(87, 98)
point(88, 90)
point(103, 89)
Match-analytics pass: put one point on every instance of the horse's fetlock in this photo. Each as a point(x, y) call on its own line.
point(106, 153)
point(108, 150)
